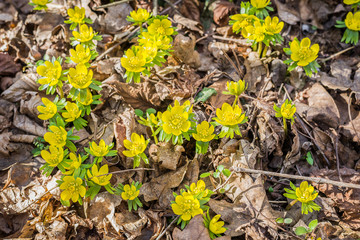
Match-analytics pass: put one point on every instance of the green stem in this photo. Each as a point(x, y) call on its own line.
point(259, 49)
point(291, 204)
point(61, 92)
point(141, 29)
point(153, 133)
point(264, 51)
point(235, 101)
point(285, 127)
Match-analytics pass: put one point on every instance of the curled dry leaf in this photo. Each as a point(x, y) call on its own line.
point(194, 230)
point(255, 73)
point(115, 18)
point(24, 83)
point(191, 9)
point(8, 66)
point(26, 124)
point(347, 200)
point(184, 49)
point(222, 12)
point(293, 156)
point(160, 187)
point(188, 23)
point(166, 155)
point(29, 103)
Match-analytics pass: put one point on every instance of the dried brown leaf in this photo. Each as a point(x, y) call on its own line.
point(191, 9)
point(8, 65)
point(222, 12)
point(166, 154)
point(194, 230)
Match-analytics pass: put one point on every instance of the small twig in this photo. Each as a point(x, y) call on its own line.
point(112, 4)
point(350, 117)
point(172, 5)
point(155, 7)
point(226, 181)
point(167, 228)
point(37, 199)
point(310, 179)
point(168, 9)
point(126, 170)
point(337, 54)
point(239, 41)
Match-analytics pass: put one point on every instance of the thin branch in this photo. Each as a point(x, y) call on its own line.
point(168, 9)
point(155, 7)
point(112, 4)
point(226, 181)
point(37, 199)
point(337, 54)
point(310, 179)
point(167, 228)
point(126, 170)
point(242, 42)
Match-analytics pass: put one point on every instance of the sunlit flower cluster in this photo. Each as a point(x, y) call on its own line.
point(153, 44)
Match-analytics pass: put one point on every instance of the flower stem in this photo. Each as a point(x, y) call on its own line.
point(291, 204)
point(61, 92)
point(264, 51)
point(141, 29)
point(235, 101)
point(153, 133)
point(285, 127)
point(259, 49)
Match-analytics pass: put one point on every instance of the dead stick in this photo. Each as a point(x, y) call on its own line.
point(337, 54)
point(167, 228)
point(126, 170)
point(37, 199)
point(111, 4)
point(310, 179)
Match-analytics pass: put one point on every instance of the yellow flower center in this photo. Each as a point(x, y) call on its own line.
point(52, 73)
point(80, 78)
point(175, 121)
point(304, 53)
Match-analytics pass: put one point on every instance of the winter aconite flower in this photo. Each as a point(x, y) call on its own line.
point(72, 189)
point(48, 111)
point(256, 32)
point(74, 164)
point(286, 111)
point(88, 100)
point(160, 26)
point(57, 137)
point(100, 176)
point(72, 112)
point(80, 77)
point(138, 17)
point(39, 4)
point(186, 206)
point(351, 2)
point(259, 3)
point(304, 194)
point(134, 60)
point(54, 156)
point(100, 150)
point(239, 22)
point(229, 116)
point(273, 26)
point(198, 188)
point(80, 54)
point(303, 53)
point(136, 146)
point(176, 121)
point(352, 21)
point(214, 226)
point(51, 73)
point(130, 192)
point(85, 34)
point(76, 15)
point(204, 132)
point(160, 41)
point(236, 88)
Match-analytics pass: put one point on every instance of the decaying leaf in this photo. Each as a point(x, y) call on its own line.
point(166, 154)
point(194, 230)
point(190, 9)
point(184, 49)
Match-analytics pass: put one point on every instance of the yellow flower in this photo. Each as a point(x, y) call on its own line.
point(175, 121)
point(241, 21)
point(351, 2)
point(162, 27)
point(88, 100)
point(130, 192)
point(85, 34)
point(95, 175)
point(73, 188)
point(352, 21)
point(54, 157)
point(134, 60)
point(48, 111)
point(80, 54)
point(288, 110)
point(184, 106)
point(140, 16)
point(99, 150)
point(256, 32)
point(75, 163)
point(72, 112)
point(302, 53)
point(305, 193)
point(80, 77)
point(51, 73)
point(259, 3)
point(136, 146)
point(41, 2)
point(186, 206)
point(162, 42)
point(216, 226)
point(151, 51)
point(236, 88)
point(229, 116)
point(199, 187)
point(204, 132)
point(57, 136)
point(76, 15)
point(273, 26)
